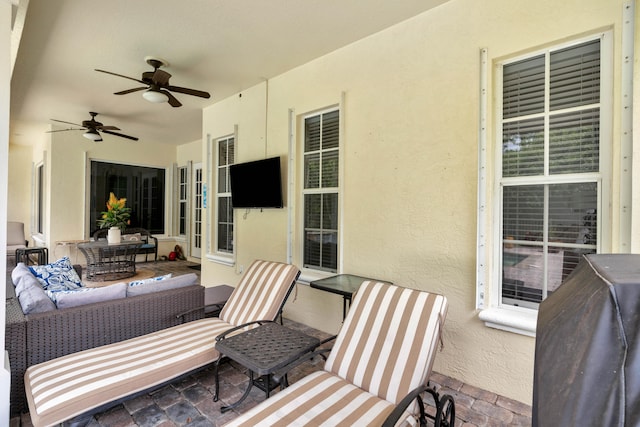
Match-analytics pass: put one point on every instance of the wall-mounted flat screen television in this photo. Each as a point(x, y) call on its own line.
point(256, 184)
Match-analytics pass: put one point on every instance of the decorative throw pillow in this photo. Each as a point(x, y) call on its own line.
point(163, 285)
point(134, 237)
point(57, 276)
point(150, 280)
point(82, 296)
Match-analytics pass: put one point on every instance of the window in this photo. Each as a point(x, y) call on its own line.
point(551, 173)
point(143, 187)
point(198, 202)
point(40, 203)
point(183, 188)
point(224, 221)
point(320, 190)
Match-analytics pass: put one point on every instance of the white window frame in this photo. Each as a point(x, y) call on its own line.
point(518, 319)
point(309, 273)
point(182, 196)
point(218, 141)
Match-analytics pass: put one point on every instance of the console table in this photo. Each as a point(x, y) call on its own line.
point(263, 350)
point(109, 261)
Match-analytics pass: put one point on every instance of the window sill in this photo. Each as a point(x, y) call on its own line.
point(220, 259)
point(518, 321)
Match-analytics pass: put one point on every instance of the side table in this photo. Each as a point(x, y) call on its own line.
point(263, 350)
point(70, 247)
point(342, 284)
point(32, 256)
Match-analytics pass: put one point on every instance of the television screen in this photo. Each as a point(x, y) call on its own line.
point(256, 184)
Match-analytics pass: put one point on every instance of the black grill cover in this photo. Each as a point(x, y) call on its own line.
point(587, 360)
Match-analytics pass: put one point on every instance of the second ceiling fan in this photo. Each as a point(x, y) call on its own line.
point(92, 129)
point(156, 84)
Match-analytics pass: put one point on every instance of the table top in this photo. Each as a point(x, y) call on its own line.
point(341, 284)
point(267, 348)
point(105, 244)
point(70, 242)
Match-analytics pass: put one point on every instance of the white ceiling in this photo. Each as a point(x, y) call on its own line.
point(219, 46)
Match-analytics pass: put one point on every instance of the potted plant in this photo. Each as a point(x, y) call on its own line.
point(116, 218)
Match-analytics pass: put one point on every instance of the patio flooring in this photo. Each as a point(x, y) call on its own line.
point(189, 402)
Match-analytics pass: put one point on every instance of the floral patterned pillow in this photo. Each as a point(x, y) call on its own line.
point(151, 280)
point(57, 276)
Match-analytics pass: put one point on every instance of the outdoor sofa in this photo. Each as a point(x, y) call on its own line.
point(37, 337)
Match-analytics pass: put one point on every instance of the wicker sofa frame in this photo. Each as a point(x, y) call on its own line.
point(149, 242)
point(36, 338)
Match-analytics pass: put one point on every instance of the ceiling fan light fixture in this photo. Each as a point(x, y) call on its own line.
point(155, 96)
point(92, 135)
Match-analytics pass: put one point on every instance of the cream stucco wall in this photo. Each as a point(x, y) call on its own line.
point(409, 99)
point(20, 181)
point(191, 151)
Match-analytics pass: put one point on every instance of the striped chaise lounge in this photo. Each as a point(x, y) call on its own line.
point(83, 383)
point(373, 376)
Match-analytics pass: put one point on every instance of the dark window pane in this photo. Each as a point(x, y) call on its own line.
point(523, 209)
point(574, 142)
point(575, 76)
point(312, 170)
point(573, 214)
point(523, 148)
point(312, 210)
point(330, 130)
point(523, 87)
point(330, 211)
point(222, 180)
point(312, 134)
point(330, 173)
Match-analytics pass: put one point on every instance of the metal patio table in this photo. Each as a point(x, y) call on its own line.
point(110, 261)
point(263, 350)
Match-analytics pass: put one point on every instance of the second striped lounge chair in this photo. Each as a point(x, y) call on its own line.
point(373, 376)
point(92, 380)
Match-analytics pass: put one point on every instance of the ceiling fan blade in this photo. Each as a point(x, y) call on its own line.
point(124, 92)
point(161, 77)
point(68, 123)
point(107, 128)
point(120, 75)
point(173, 101)
point(63, 130)
point(186, 91)
point(120, 134)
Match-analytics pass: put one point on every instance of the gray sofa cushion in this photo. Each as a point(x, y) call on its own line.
point(82, 296)
point(32, 297)
point(163, 285)
point(19, 272)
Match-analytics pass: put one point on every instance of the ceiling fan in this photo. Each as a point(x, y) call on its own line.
point(157, 87)
point(93, 129)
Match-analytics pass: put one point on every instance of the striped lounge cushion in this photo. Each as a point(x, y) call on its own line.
point(384, 350)
point(318, 399)
point(260, 293)
point(68, 386)
point(388, 341)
